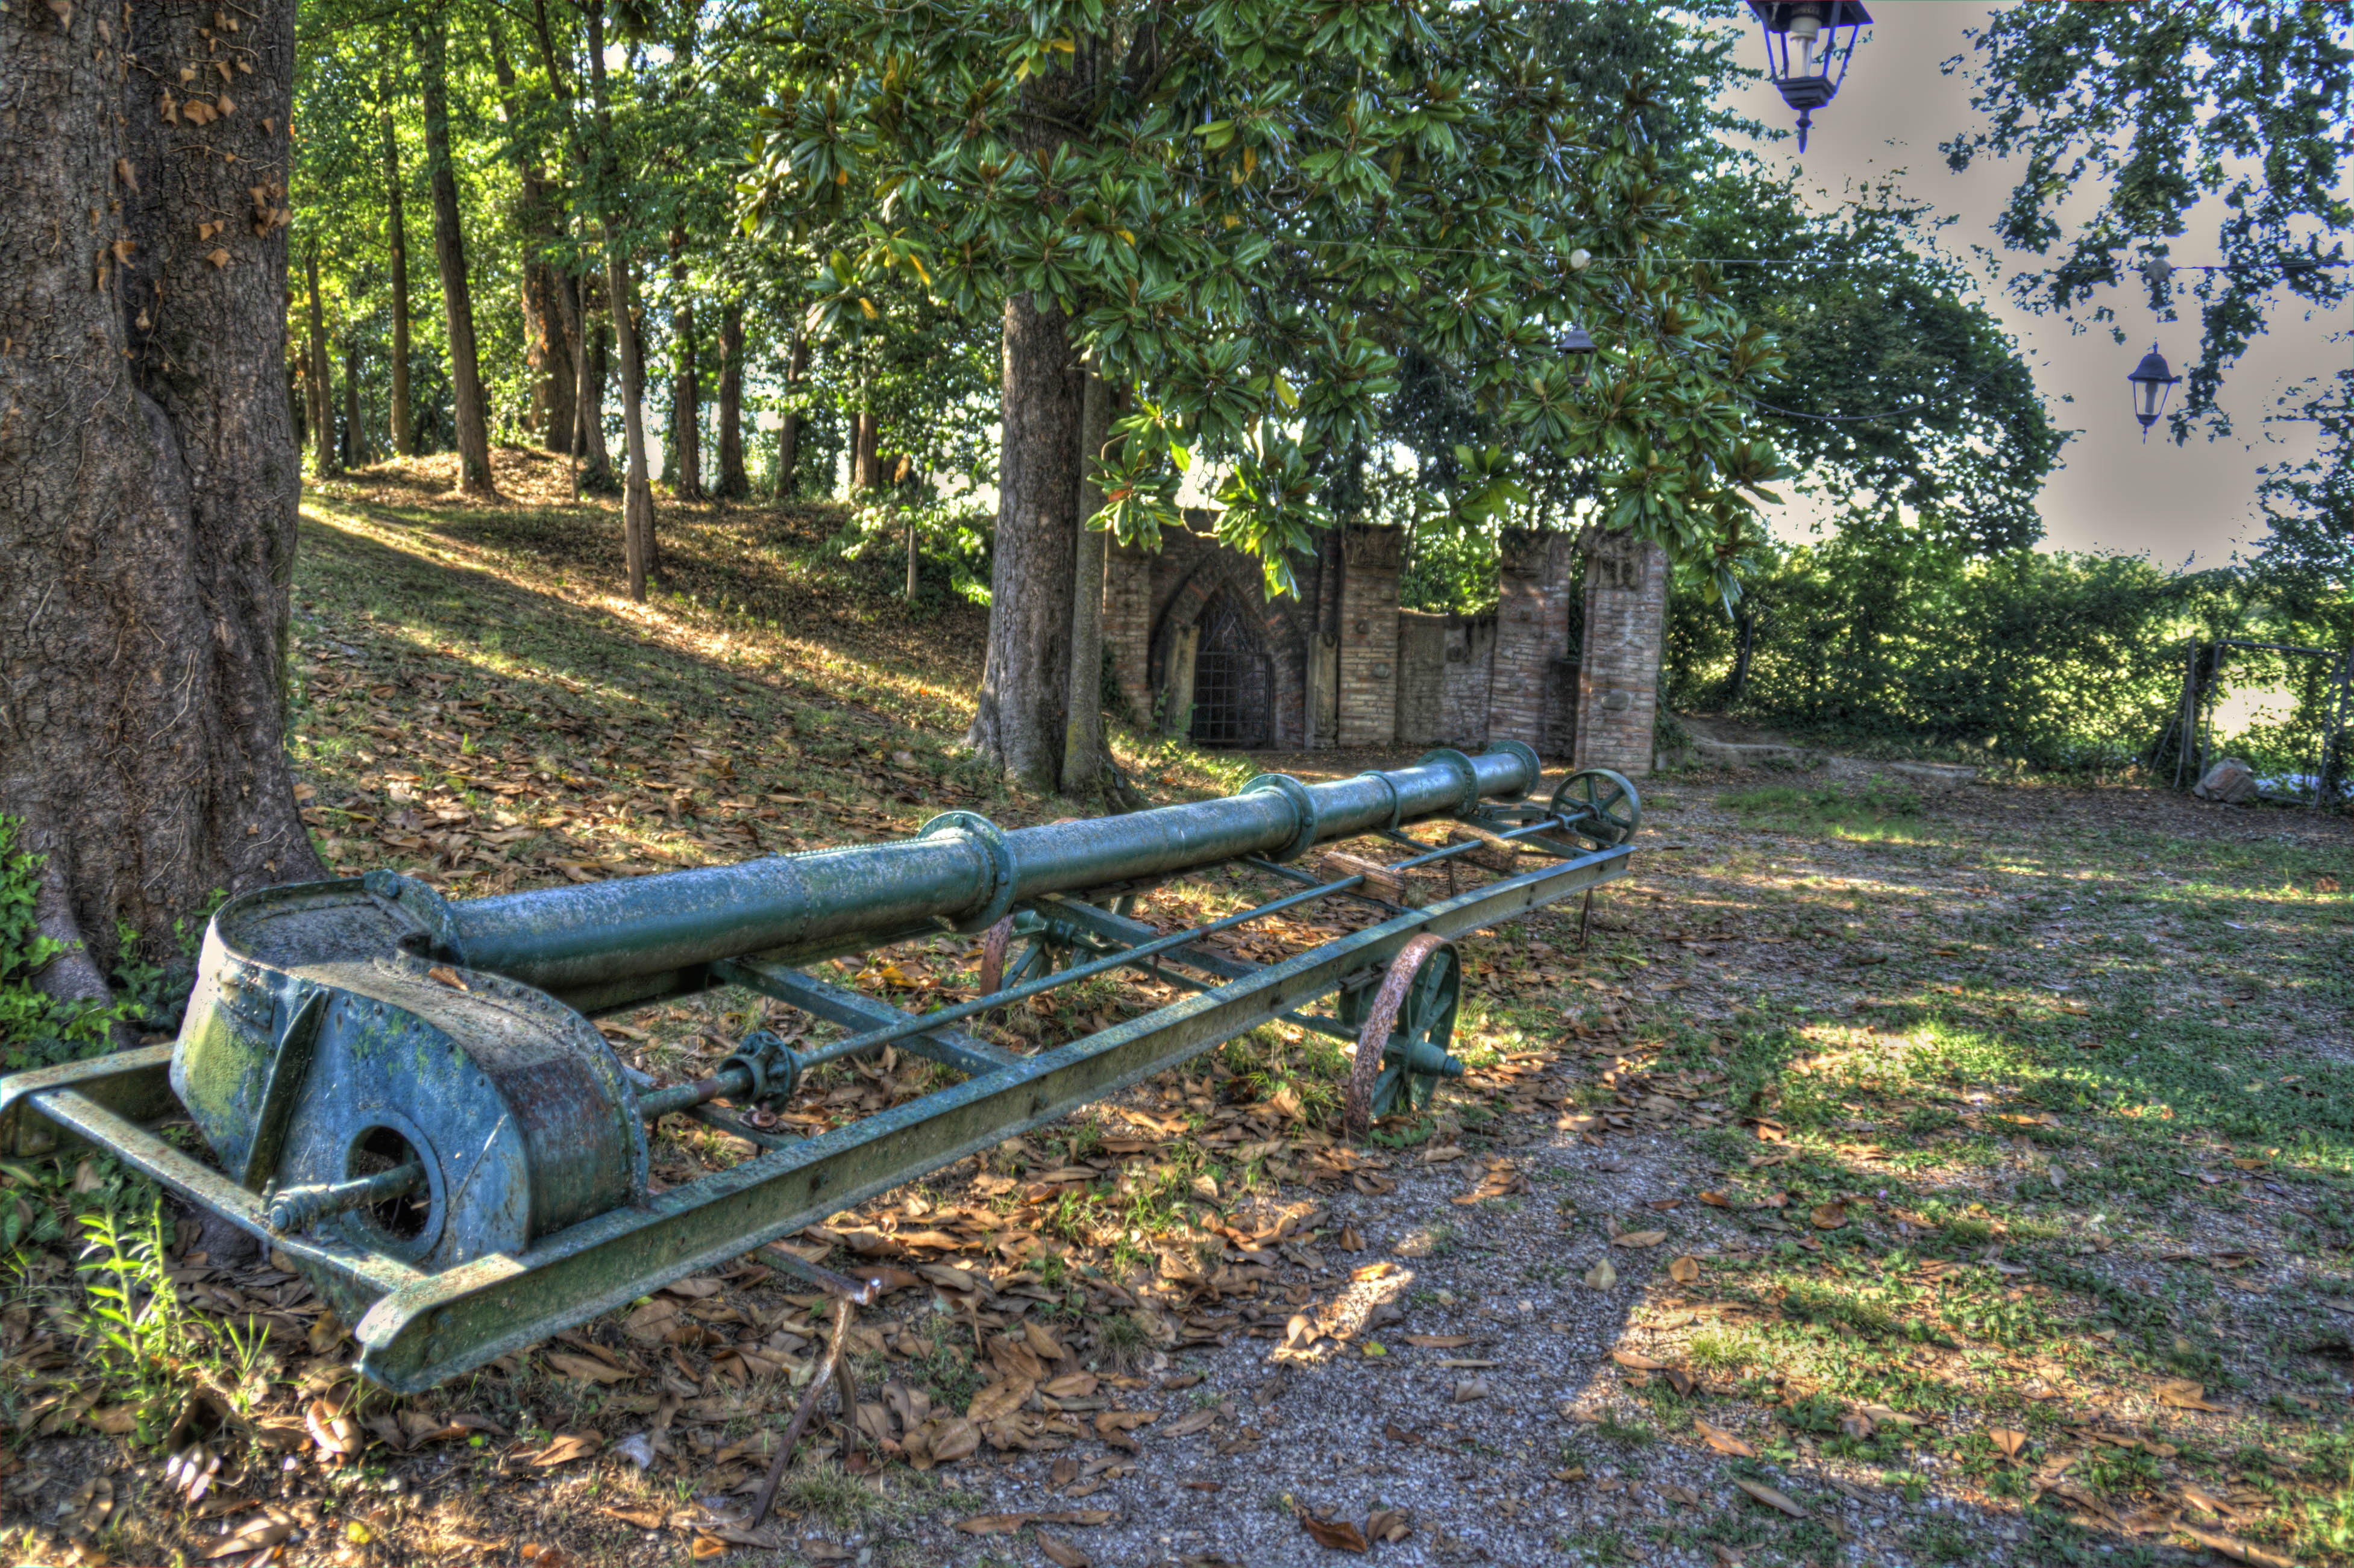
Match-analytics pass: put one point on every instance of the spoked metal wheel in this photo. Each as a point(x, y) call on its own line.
point(1601, 807)
point(1405, 1028)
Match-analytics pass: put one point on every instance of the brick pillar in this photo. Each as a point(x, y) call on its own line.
point(1531, 632)
point(1128, 624)
point(1619, 682)
point(1369, 636)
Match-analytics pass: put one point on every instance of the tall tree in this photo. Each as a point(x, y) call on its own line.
point(144, 562)
point(1247, 211)
point(637, 493)
point(404, 423)
point(685, 386)
point(431, 32)
point(320, 403)
point(788, 424)
point(734, 484)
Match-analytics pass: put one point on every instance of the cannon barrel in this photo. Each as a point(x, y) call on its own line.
point(594, 938)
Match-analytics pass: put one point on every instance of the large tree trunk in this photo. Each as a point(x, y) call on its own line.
point(320, 405)
point(355, 434)
point(788, 424)
point(475, 477)
point(596, 457)
point(404, 426)
point(148, 539)
point(1083, 731)
point(685, 387)
point(540, 220)
point(734, 484)
point(865, 453)
point(1024, 684)
point(638, 494)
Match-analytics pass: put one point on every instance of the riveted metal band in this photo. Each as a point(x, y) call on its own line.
point(1528, 756)
point(1463, 764)
point(972, 825)
point(1397, 806)
point(1303, 809)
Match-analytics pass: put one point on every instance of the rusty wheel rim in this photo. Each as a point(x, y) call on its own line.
point(1380, 1023)
point(993, 954)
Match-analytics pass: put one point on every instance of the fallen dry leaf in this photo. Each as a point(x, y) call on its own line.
point(1637, 1359)
point(1388, 1524)
point(1335, 1534)
point(1684, 1270)
point(1769, 1497)
point(567, 1447)
point(2010, 1441)
point(1723, 1442)
point(1437, 1341)
point(1601, 1277)
point(2184, 1394)
point(586, 1367)
point(1063, 1554)
point(1640, 1238)
point(995, 1523)
point(1829, 1217)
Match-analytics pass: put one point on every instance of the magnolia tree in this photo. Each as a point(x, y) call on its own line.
point(1240, 217)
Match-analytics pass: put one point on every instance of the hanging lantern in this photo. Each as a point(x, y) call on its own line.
point(1805, 56)
point(1576, 350)
point(2150, 381)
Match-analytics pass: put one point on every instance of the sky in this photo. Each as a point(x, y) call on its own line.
point(2116, 491)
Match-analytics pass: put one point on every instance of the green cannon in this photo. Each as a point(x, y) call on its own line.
point(406, 1095)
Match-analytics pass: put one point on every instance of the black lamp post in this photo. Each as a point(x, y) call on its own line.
point(2150, 381)
point(1576, 347)
point(1803, 46)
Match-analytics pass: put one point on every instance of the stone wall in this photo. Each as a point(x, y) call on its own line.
point(1369, 636)
point(1350, 668)
point(1532, 632)
point(1470, 667)
point(1617, 682)
point(1422, 678)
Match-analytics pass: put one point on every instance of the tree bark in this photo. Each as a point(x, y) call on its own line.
point(1019, 721)
point(638, 494)
point(1025, 683)
point(788, 424)
point(597, 459)
point(432, 39)
point(355, 434)
point(865, 458)
point(1083, 731)
point(685, 387)
point(734, 482)
point(539, 219)
point(637, 490)
point(319, 406)
point(148, 476)
point(404, 428)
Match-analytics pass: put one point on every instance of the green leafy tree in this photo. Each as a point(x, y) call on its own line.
point(1241, 214)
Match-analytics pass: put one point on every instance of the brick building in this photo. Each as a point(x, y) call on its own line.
point(1197, 646)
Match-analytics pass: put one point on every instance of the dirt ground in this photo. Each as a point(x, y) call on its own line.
point(1892, 1178)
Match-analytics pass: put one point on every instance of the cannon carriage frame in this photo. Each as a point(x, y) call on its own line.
point(406, 1097)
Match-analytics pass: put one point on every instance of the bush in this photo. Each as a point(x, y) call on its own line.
point(35, 1029)
point(1882, 632)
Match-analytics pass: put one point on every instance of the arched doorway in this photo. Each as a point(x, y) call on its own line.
point(1233, 681)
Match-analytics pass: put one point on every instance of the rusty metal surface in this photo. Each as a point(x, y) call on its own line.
point(1381, 1022)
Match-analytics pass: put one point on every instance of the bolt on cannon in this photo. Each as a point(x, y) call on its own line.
point(406, 1095)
